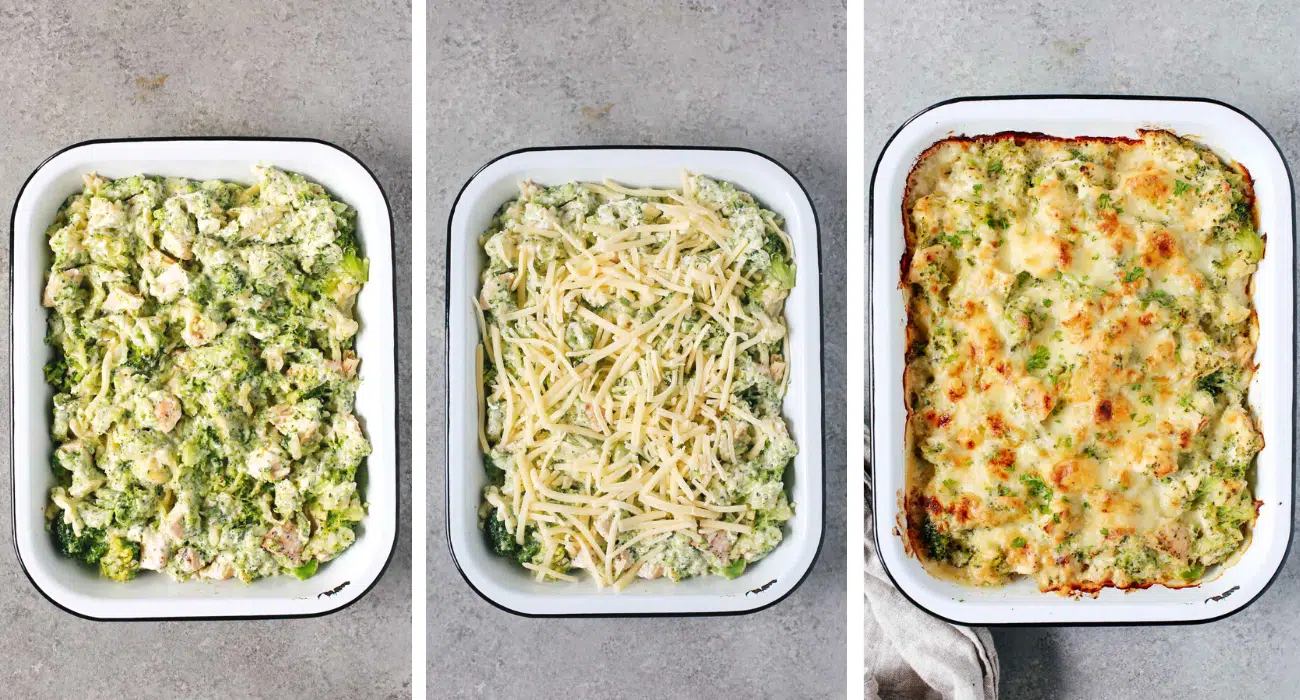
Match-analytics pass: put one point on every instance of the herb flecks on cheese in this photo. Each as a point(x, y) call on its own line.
point(1080, 344)
point(205, 376)
point(632, 371)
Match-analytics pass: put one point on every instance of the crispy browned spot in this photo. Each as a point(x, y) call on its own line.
point(1150, 185)
point(1071, 475)
point(1164, 465)
point(1104, 411)
point(1109, 223)
point(996, 424)
point(1002, 462)
point(961, 508)
point(1080, 323)
point(1161, 247)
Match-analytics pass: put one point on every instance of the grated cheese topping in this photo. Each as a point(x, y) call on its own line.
point(631, 373)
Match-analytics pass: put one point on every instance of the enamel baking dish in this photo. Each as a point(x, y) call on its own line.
point(78, 588)
point(1230, 133)
point(511, 587)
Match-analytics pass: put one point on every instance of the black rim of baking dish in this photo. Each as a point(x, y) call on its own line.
point(396, 383)
point(875, 527)
point(821, 535)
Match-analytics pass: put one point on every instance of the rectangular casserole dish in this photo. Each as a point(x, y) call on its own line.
point(1231, 134)
point(79, 589)
point(509, 586)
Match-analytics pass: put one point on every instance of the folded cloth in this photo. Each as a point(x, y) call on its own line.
point(912, 655)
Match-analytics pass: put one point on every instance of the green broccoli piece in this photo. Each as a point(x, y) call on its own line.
point(1138, 561)
point(133, 504)
point(1232, 516)
point(121, 560)
point(782, 271)
point(317, 392)
point(307, 570)
point(734, 569)
point(1251, 244)
point(88, 547)
point(201, 291)
point(224, 194)
point(347, 240)
point(227, 282)
point(502, 541)
point(56, 374)
point(141, 359)
point(123, 187)
point(1212, 383)
point(938, 544)
point(1160, 297)
point(356, 267)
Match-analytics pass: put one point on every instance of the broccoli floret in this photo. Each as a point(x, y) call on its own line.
point(141, 359)
point(782, 272)
point(347, 240)
point(938, 544)
point(502, 541)
point(121, 560)
point(307, 570)
point(200, 292)
point(227, 282)
point(1251, 244)
point(89, 546)
point(317, 392)
point(123, 187)
point(556, 196)
point(1137, 561)
point(358, 268)
point(1232, 516)
point(224, 194)
point(56, 374)
point(531, 549)
point(1212, 383)
point(135, 503)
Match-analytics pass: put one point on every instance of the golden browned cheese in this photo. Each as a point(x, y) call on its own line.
point(1080, 343)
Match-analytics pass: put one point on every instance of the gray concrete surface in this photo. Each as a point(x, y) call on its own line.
point(762, 76)
point(334, 70)
point(1244, 53)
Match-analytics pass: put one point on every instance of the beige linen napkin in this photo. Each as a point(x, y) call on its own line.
point(912, 655)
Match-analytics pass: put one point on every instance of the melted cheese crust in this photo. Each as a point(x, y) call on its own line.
point(1080, 343)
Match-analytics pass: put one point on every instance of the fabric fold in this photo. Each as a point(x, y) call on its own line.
point(912, 655)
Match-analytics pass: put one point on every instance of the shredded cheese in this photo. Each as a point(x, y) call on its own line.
point(625, 331)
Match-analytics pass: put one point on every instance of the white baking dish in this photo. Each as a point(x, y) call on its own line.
point(510, 586)
point(1229, 132)
point(78, 588)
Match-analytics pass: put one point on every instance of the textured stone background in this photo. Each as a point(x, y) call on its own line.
point(1243, 53)
point(334, 70)
point(767, 77)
